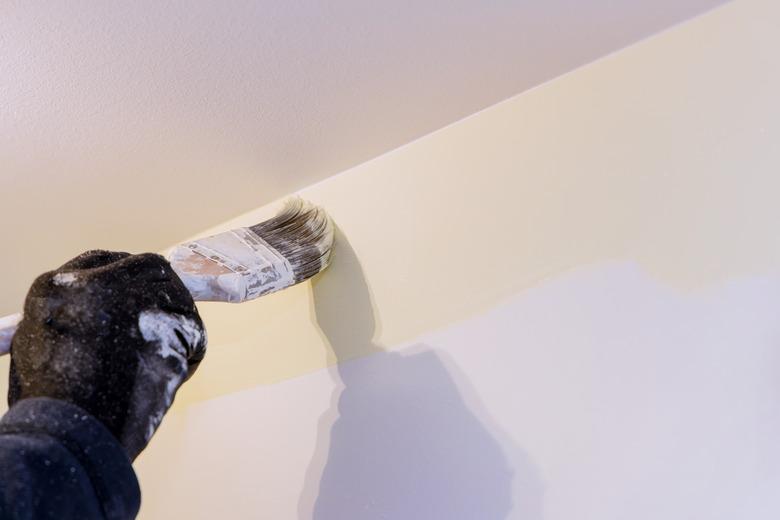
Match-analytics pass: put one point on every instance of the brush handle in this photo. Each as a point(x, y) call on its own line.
point(8, 326)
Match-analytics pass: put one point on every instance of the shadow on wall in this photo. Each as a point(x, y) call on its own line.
point(398, 441)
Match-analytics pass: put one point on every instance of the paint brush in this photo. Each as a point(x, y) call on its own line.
point(242, 264)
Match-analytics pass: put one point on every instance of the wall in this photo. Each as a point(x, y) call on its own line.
point(564, 306)
point(561, 307)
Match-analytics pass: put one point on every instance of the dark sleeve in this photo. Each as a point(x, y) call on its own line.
point(57, 461)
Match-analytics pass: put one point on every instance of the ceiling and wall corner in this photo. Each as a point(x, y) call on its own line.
point(132, 125)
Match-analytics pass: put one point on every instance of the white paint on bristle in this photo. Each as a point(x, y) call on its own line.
point(325, 243)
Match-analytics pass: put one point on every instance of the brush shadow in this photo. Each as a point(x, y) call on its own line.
point(398, 441)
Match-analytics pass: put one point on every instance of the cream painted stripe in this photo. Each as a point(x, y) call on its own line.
point(664, 154)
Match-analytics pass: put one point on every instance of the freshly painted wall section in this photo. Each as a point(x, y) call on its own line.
point(661, 155)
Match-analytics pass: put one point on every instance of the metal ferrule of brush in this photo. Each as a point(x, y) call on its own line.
point(234, 267)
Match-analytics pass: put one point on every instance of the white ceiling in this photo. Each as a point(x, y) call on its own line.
point(132, 125)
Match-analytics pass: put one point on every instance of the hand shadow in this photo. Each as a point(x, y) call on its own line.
point(398, 441)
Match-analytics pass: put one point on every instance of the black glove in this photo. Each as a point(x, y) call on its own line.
point(113, 333)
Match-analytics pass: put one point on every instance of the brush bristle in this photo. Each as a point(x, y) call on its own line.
point(303, 234)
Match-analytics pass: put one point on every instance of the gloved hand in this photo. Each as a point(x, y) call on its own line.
point(113, 333)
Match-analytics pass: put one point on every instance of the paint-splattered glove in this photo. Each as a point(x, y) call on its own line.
point(113, 333)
